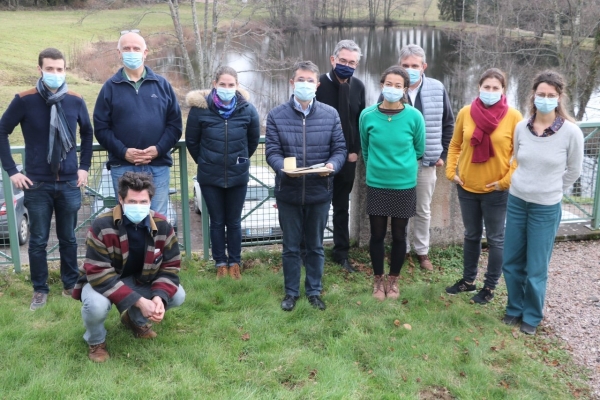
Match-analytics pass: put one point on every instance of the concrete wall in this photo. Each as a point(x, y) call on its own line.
point(446, 221)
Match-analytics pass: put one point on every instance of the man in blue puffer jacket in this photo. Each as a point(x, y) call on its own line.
point(310, 131)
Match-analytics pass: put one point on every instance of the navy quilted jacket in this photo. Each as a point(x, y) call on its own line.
point(316, 138)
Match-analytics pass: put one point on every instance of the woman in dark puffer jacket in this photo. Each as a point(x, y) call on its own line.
point(222, 133)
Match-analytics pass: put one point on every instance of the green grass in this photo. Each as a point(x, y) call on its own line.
point(230, 340)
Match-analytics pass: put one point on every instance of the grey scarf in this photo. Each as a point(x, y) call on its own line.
point(61, 138)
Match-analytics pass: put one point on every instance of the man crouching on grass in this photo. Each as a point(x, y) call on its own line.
point(132, 260)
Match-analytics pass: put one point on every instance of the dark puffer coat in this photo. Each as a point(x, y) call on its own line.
point(216, 143)
point(316, 138)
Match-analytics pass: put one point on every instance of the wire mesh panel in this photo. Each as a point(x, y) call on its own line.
point(579, 200)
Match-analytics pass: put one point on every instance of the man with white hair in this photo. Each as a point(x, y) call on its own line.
point(346, 93)
point(429, 96)
point(137, 119)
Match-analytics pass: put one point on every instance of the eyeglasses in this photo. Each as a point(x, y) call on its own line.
point(351, 64)
point(548, 95)
point(130, 30)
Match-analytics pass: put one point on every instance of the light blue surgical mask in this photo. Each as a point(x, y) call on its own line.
point(489, 98)
point(225, 94)
point(545, 105)
point(133, 59)
point(414, 75)
point(304, 91)
point(391, 94)
point(136, 212)
point(53, 81)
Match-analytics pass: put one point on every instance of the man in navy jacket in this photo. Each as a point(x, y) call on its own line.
point(49, 115)
point(138, 120)
point(310, 131)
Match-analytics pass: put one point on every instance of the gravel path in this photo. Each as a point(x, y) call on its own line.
point(573, 303)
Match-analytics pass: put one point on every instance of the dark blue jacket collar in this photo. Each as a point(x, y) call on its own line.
point(119, 78)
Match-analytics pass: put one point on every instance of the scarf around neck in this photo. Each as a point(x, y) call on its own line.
point(224, 109)
point(344, 108)
point(486, 121)
point(61, 139)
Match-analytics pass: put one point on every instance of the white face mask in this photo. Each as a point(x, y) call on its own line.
point(136, 212)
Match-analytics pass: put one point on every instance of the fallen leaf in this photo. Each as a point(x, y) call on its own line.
point(470, 330)
point(404, 301)
point(246, 336)
point(502, 345)
point(404, 378)
point(477, 312)
point(312, 374)
point(370, 372)
point(497, 331)
point(397, 322)
point(462, 373)
point(515, 334)
point(418, 379)
point(493, 348)
point(457, 339)
point(504, 384)
point(407, 327)
point(425, 357)
point(358, 303)
point(476, 341)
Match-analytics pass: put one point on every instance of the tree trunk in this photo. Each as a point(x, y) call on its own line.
point(174, 8)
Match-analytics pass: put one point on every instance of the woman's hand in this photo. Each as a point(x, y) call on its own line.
point(495, 185)
point(458, 181)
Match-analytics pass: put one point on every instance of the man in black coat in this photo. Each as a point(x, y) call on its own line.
point(339, 89)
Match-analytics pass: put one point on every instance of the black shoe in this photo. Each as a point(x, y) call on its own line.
point(346, 266)
point(510, 320)
point(316, 302)
point(484, 296)
point(289, 302)
point(460, 287)
point(527, 329)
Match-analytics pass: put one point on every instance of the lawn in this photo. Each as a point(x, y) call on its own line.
point(230, 340)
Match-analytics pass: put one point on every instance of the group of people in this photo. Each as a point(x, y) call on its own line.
point(510, 174)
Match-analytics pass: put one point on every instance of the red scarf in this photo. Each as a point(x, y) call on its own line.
point(486, 121)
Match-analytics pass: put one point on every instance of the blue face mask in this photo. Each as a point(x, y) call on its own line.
point(225, 94)
point(489, 98)
point(133, 60)
point(545, 105)
point(304, 91)
point(136, 212)
point(414, 75)
point(343, 71)
point(53, 81)
point(391, 94)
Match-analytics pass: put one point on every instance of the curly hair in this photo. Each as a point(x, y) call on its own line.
point(557, 81)
point(136, 181)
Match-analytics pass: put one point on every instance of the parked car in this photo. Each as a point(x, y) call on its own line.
point(103, 197)
point(260, 218)
point(20, 211)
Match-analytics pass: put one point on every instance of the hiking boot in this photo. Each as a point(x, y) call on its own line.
point(378, 288)
point(461, 286)
point(289, 302)
point(142, 332)
point(234, 272)
point(510, 320)
point(527, 329)
point(38, 300)
point(222, 271)
point(392, 291)
point(98, 353)
point(67, 292)
point(424, 262)
point(316, 302)
point(484, 296)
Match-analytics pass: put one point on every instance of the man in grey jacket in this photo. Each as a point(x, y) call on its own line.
point(311, 132)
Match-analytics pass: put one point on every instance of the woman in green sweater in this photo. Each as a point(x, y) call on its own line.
point(392, 134)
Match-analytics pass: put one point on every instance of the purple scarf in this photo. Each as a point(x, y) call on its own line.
point(224, 109)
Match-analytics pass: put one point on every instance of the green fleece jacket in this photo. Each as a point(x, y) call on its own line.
point(391, 146)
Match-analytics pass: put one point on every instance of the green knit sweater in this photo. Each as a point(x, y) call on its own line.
point(391, 146)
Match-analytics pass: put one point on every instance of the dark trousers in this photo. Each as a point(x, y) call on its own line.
point(342, 186)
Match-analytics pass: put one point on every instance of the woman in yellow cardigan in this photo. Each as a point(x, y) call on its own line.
point(479, 162)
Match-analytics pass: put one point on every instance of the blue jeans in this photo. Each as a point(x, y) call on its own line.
point(225, 210)
point(477, 209)
point(41, 200)
point(298, 222)
point(160, 178)
point(96, 307)
point(530, 233)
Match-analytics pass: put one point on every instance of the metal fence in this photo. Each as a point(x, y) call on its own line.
point(97, 197)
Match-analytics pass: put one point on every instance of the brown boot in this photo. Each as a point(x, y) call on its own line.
point(142, 332)
point(378, 287)
point(392, 291)
point(98, 353)
point(234, 272)
point(221, 271)
point(425, 263)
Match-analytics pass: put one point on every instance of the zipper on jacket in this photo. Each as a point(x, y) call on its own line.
point(226, 153)
point(304, 157)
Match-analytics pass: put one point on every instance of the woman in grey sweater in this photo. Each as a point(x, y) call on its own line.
point(548, 149)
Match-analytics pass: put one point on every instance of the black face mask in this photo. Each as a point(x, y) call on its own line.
point(343, 71)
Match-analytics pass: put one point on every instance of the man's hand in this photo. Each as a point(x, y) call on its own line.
point(150, 153)
point(82, 177)
point(458, 181)
point(352, 157)
point(495, 185)
point(159, 311)
point(439, 163)
point(147, 307)
point(132, 154)
point(328, 165)
point(21, 181)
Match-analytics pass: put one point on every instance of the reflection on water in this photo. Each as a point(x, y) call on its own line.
point(263, 65)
